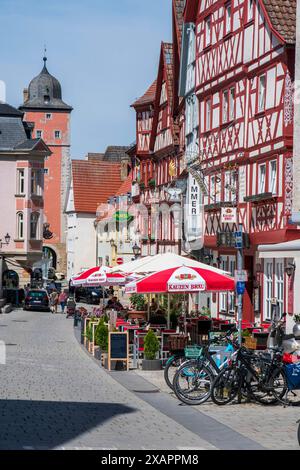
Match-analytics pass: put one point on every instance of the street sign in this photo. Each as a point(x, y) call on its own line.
point(239, 240)
point(240, 288)
point(120, 261)
point(241, 276)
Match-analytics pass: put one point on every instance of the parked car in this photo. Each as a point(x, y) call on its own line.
point(90, 295)
point(37, 299)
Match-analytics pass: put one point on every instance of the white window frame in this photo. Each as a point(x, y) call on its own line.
point(20, 226)
point(34, 218)
point(48, 116)
point(250, 14)
point(57, 136)
point(208, 31)
point(39, 134)
point(208, 114)
point(21, 181)
point(279, 284)
point(231, 103)
point(262, 178)
point(273, 177)
point(228, 18)
point(262, 86)
point(268, 288)
point(225, 106)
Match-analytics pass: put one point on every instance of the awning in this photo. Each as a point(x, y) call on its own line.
point(289, 249)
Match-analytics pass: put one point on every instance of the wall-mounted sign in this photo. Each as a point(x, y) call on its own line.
point(241, 276)
point(229, 215)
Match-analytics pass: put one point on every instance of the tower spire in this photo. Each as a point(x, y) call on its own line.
point(45, 57)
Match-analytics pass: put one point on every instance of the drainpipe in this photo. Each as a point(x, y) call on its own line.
point(296, 154)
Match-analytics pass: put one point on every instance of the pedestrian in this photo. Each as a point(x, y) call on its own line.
point(53, 301)
point(63, 300)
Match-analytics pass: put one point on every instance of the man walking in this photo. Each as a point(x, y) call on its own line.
point(53, 301)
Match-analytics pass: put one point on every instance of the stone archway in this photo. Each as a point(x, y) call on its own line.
point(49, 261)
point(10, 279)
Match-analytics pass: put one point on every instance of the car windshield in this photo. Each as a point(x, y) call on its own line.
point(36, 295)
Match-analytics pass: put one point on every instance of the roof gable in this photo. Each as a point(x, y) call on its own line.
point(282, 17)
point(147, 98)
point(93, 183)
point(165, 74)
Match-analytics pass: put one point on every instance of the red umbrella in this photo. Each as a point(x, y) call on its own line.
point(99, 276)
point(182, 280)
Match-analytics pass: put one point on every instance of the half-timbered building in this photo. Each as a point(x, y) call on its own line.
point(244, 84)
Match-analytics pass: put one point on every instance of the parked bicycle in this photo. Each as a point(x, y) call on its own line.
point(261, 376)
point(193, 379)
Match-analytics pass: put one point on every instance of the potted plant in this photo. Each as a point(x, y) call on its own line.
point(138, 302)
point(296, 329)
point(151, 348)
point(101, 340)
point(89, 336)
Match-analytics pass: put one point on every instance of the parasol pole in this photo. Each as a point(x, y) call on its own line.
point(168, 310)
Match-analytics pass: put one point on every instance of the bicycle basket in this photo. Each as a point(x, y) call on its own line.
point(292, 372)
point(193, 352)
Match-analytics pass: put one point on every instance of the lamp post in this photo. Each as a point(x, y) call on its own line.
point(136, 251)
point(6, 242)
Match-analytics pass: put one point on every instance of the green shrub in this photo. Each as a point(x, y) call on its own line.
point(151, 345)
point(101, 335)
point(138, 301)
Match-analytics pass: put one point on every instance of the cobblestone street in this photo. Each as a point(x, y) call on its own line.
point(54, 396)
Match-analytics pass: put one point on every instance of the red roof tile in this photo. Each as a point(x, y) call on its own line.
point(125, 187)
point(282, 14)
point(93, 183)
point(148, 97)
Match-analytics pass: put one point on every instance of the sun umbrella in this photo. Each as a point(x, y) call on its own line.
point(182, 279)
point(152, 264)
point(99, 276)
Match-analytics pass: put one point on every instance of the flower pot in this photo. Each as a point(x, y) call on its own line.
point(97, 352)
point(151, 364)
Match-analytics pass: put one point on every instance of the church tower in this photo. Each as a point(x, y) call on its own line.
point(44, 108)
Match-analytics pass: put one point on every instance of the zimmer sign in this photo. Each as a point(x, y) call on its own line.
point(193, 197)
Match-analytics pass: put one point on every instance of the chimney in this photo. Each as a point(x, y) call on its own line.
point(25, 95)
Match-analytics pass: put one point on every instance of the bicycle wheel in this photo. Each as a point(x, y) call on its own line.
point(192, 383)
point(171, 368)
point(226, 386)
point(271, 392)
point(291, 398)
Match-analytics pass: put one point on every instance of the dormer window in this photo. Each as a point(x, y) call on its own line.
point(46, 99)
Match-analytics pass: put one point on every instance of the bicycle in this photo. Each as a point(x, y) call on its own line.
point(172, 365)
point(260, 376)
point(193, 380)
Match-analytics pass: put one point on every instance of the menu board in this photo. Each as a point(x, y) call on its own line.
point(118, 348)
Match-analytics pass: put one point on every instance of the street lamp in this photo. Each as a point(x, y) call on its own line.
point(136, 251)
point(6, 242)
point(112, 243)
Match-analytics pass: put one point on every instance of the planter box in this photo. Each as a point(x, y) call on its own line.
point(97, 353)
point(154, 364)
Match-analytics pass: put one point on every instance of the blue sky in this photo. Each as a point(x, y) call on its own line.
point(104, 52)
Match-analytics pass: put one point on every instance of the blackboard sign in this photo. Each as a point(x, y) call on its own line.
point(118, 348)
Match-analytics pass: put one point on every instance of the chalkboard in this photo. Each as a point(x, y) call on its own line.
point(118, 345)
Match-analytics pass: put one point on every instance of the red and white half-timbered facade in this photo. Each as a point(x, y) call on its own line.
point(244, 84)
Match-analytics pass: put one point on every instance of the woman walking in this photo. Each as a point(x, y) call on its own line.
point(63, 300)
point(53, 301)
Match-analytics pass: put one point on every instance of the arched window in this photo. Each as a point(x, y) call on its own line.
point(20, 226)
point(34, 220)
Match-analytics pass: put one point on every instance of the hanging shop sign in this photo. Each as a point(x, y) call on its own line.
point(229, 215)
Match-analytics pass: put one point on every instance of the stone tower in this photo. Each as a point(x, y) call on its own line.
point(44, 107)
